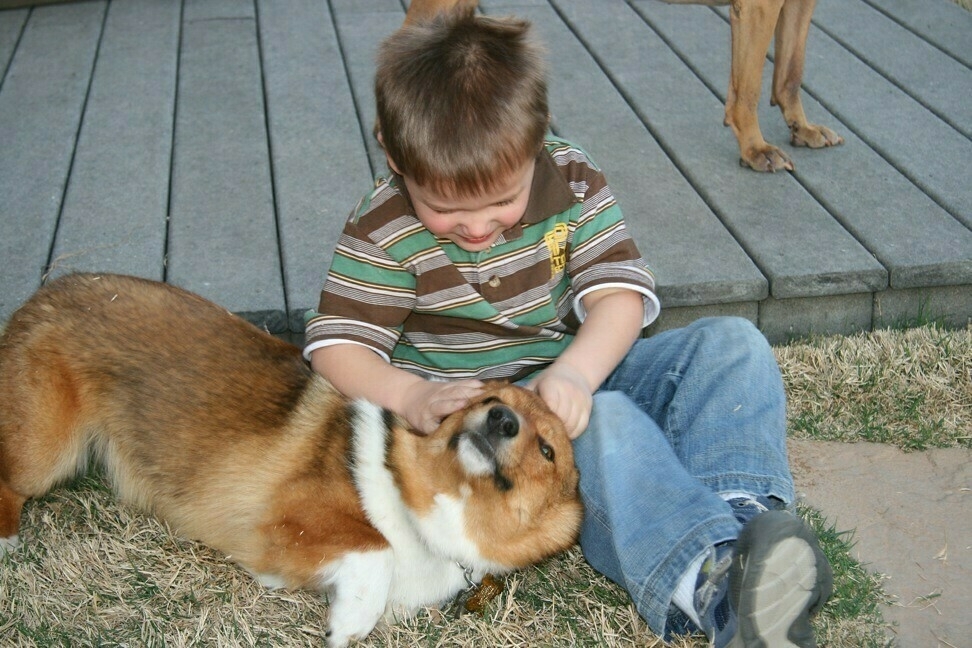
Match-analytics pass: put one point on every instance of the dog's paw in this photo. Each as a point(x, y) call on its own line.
point(351, 620)
point(358, 585)
point(336, 639)
point(349, 625)
point(814, 136)
point(767, 158)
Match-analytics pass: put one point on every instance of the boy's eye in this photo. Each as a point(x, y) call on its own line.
point(504, 203)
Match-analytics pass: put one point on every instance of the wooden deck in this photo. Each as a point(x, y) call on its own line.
point(220, 144)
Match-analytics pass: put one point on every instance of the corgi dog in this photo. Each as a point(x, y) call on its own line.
point(224, 432)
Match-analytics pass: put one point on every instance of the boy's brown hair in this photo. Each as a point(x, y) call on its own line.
point(461, 101)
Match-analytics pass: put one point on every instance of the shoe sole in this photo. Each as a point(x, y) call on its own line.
point(779, 578)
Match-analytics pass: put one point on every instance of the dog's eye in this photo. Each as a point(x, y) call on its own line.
point(546, 450)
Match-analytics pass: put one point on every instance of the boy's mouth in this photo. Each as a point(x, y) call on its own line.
point(474, 244)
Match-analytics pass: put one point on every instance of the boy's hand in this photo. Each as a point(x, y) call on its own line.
point(614, 320)
point(567, 393)
point(427, 402)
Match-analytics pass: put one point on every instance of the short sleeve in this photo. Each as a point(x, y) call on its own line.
point(602, 252)
point(365, 300)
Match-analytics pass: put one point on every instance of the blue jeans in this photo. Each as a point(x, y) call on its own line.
point(688, 414)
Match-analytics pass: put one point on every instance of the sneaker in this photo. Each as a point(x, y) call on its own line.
point(717, 618)
point(760, 591)
point(746, 508)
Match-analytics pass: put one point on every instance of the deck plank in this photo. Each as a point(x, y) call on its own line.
point(942, 23)
point(918, 242)
point(925, 149)
point(41, 104)
point(792, 239)
point(11, 26)
point(933, 78)
point(667, 218)
point(320, 163)
point(115, 209)
point(362, 25)
point(921, 146)
point(262, 111)
point(223, 233)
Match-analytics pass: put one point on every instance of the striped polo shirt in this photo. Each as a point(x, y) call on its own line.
point(434, 309)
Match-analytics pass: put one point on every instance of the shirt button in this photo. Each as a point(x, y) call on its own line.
point(494, 282)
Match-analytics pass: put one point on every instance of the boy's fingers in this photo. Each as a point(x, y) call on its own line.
point(579, 428)
point(450, 398)
point(458, 396)
point(469, 387)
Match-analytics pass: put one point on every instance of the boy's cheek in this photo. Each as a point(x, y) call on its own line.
point(433, 222)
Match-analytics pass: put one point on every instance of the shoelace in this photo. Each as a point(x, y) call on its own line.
point(714, 570)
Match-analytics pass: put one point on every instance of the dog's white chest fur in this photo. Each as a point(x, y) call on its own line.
point(427, 558)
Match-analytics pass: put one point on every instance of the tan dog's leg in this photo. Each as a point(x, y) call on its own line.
point(753, 23)
point(424, 9)
point(791, 45)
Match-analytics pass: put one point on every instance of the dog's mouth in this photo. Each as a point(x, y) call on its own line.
point(481, 444)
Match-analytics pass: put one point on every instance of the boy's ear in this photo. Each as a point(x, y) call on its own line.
point(391, 162)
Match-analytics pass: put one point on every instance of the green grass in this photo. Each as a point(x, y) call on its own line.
point(853, 610)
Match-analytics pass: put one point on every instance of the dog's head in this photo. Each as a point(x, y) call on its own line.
point(496, 481)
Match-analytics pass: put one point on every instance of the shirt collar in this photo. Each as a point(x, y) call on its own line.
point(549, 193)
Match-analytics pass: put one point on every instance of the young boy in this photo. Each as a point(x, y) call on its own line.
point(492, 252)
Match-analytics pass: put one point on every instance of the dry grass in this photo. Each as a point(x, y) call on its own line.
point(908, 388)
point(94, 573)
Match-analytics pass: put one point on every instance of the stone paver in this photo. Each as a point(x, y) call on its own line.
point(911, 517)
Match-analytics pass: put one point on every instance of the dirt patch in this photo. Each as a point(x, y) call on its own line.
point(911, 514)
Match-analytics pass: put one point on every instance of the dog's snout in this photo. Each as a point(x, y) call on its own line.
point(502, 421)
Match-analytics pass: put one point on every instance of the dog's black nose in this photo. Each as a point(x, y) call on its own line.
point(502, 421)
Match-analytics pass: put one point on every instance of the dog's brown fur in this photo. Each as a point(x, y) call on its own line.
point(753, 25)
point(224, 432)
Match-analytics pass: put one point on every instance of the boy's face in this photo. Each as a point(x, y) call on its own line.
point(474, 223)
